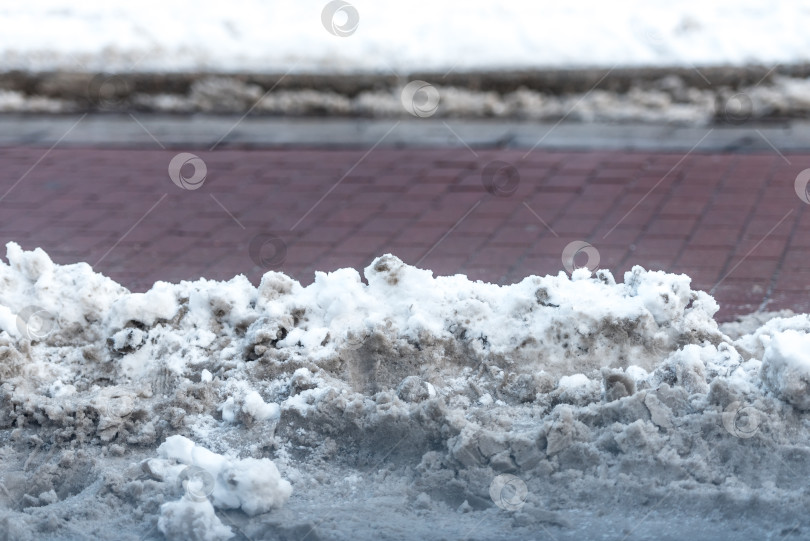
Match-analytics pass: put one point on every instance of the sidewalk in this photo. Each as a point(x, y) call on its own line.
point(732, 222)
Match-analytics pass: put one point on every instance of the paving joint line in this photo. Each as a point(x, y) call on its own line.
point(775, 276)
point(740, 262)
point(448, 232)
point(744, 226)
point(676, 182)
point(646, 195)
point(346, 174)
point(704, 212)
point(626, 191)
point(543, 236)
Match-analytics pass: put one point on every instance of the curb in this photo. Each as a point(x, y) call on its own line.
point(202, 131)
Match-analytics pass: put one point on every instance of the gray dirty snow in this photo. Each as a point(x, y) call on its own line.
point(407, 406)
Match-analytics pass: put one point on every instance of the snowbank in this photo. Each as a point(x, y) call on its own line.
point(405, 385)
point(253, 35)
point(555, 324)
point(669, 99)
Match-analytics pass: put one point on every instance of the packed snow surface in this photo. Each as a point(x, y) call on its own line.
point(396, 402)
point(383, 35)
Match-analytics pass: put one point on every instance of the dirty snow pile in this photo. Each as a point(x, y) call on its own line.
point(405, 404)
point(669, 99)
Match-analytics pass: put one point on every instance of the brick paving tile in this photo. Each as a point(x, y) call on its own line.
point(728, 220)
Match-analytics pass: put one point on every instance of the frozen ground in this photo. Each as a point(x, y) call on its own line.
point(402, 406)
point(255, 35)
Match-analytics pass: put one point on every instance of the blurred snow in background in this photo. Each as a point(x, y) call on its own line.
point(279, 35)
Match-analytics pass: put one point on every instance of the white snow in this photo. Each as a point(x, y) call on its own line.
point(786, 366)
point(258, 408)
point(192, 520)
point(573, 381)
point(146, 308)
point(250, 403)
point(256, 35)
point(253, 485)
point(553, 323)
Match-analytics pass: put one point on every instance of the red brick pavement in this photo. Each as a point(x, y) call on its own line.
point(732, 222)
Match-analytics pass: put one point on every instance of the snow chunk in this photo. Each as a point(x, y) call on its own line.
point(786, 367)
point(577, 389)
point(258, 408)
point(157, 303)
point(177, 448)
point(254, 485)
point(247, 405)
point(664, 295)
point(573, 381)
point(753, 344)
point(73, 292)
point(187, 519)
point(685, 368)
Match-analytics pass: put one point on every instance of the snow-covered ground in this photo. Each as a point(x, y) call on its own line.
point(386, 35)
point(402, 406)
